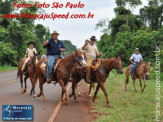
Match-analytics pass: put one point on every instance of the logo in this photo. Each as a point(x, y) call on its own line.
point(17, 112)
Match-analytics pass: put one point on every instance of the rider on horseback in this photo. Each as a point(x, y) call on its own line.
point(29, 53)
point(91, 52)
point(135, 59)
point(54, 49)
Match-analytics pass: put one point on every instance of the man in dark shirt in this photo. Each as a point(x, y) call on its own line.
point(54, 49)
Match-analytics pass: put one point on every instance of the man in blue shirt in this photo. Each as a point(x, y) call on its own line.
point(54, 49)
point(135, 59)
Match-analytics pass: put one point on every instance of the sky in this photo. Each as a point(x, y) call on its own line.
point(78, 30)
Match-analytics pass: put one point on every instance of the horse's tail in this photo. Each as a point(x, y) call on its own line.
point(18, 73)
point(127, 76)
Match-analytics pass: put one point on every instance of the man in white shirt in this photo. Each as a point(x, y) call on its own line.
point(91, 52)
point(135, 59)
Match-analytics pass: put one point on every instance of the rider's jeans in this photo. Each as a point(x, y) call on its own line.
point(133, 69)
point(51, 60)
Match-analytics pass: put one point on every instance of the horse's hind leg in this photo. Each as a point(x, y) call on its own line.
point(25, 82)
point(21, 82)
point(134, 85)
point(95, 94)
point(90, 88)
point(126, 82)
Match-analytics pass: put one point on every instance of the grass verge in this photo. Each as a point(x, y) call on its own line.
point(7, 68)
point(127, 106)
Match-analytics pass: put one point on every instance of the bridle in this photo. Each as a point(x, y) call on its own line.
point(79, 61)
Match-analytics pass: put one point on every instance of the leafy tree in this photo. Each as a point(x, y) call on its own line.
point(152, 14)
point(7, 55)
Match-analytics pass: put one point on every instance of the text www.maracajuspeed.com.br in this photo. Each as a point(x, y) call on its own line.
point(49, 16)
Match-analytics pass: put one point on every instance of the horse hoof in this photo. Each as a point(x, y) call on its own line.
point(24, 90)
point(44, 99)
point(135, 90)
point(34, 95)
point(66, 102)
point(38, 95)
point(70, 95)
point(77, 100)
point(90, 95)
point(109, 106)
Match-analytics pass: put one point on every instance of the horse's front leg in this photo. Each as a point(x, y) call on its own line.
point(144, 83)
point(63, 91)
point(25, 82)
point(73, 90)
point(106, 95)
point(90, 88)
point(95, 94)
point(140, 84)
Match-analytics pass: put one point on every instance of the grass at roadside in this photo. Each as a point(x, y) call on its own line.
point(7, 68)
point(127, 106)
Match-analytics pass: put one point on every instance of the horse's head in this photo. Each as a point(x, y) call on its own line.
point(147, 70)
point(79, 57)
point(35, 58)
point(117, 64)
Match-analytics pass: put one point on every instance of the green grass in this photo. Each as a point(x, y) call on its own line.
point(127, 106)
point(7, 68)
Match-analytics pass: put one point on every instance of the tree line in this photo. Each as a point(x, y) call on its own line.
point(16, 33)
point(127, 31)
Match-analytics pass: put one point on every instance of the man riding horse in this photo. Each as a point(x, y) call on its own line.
point(29, 53)
point(91, 52)
point(54, 49)
point(135, 59)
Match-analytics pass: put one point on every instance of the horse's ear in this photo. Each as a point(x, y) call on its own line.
point(34, 53)
point(39, 53)
point(149, 63)
point(120, 56)
point(76, 50)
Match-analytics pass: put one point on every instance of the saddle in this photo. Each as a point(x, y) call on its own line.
point(43, 66)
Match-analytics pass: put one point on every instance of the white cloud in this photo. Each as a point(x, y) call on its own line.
point(77, 30)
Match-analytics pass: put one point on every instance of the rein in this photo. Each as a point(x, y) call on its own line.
point(114, 72)
point(79, 61)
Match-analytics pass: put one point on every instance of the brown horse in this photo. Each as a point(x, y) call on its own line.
point(31, 69)
point(143, 70)
point(62, 73)
point(99, 76)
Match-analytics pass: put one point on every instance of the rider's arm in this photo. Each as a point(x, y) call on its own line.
point(26, 53)
point(131, 61)
point(131, 58)
point(84, 47)
point(45, 43)
point(97, 53)
point(62, 47)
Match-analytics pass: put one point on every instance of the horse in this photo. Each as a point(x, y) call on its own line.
point(62, 74)
point(31, 69)
point(143, 70)
point(99, 76)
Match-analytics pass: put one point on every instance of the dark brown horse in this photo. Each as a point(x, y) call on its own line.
point(142, 71)
point(99, 76)
point(62, 73)
point(31, 73)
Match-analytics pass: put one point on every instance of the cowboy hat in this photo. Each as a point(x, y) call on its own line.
point(31, 42)
point(55, 32)
point(93, 38)
point(136, 49)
